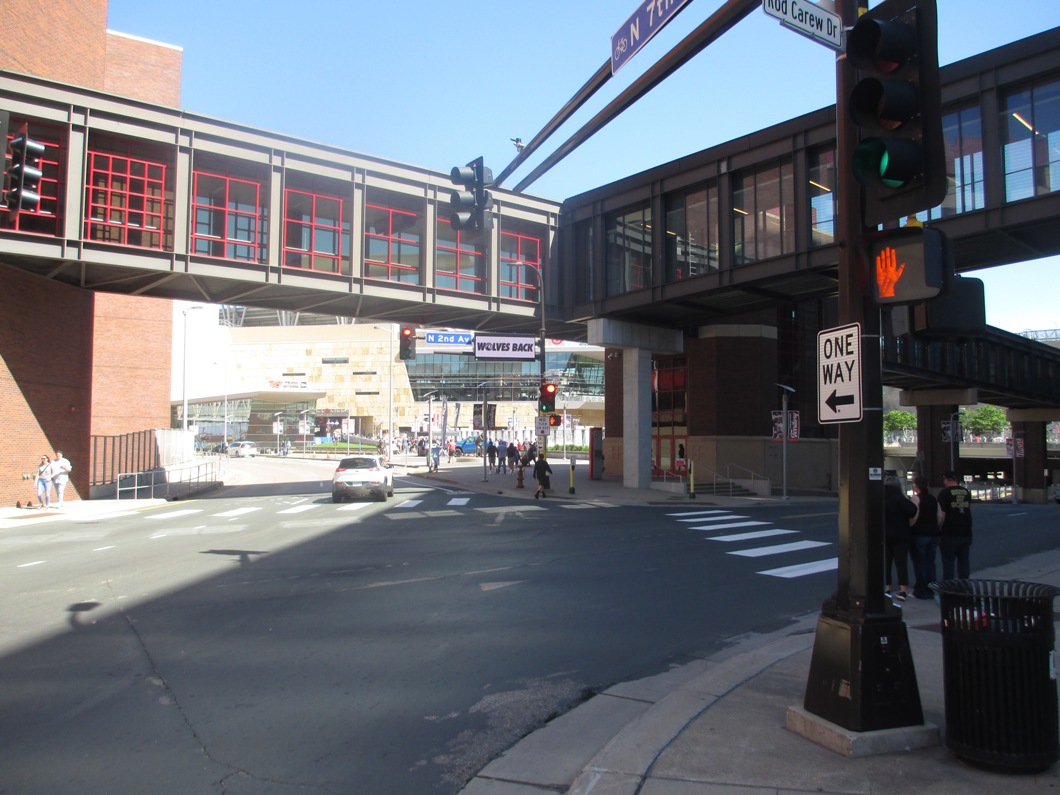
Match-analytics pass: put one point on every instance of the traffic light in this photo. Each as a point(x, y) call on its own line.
point(547, 401)
point(900, 158)
point(470, 207)
point(959, 312)
point(407, 343)
point(24, 173)
point(910, 265)
point(554, 420)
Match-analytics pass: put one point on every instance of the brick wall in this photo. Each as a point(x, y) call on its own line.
point(62, 40)
point(45, 380)
point(143, 70)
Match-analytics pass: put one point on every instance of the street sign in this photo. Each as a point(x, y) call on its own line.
point(636, 31)
point(839, 374)
point(809, 19)
point(541, 426)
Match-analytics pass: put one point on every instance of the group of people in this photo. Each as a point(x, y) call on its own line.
point(504, 457)
point(919, 526)
point(52, 474)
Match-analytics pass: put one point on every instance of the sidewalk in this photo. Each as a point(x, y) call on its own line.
point(718, 726)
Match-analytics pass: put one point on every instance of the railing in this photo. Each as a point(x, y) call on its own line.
point(169, 484)
point(759, 484)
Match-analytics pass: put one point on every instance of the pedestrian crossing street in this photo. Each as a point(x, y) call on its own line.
point(726, 528)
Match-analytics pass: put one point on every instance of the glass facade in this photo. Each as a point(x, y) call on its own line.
point(763, 213)
point(1030, 130)
point(692, 241)
point(821, 192)
point(316, 234)
point(629, 251)
point(669, 418)
point(462, 377)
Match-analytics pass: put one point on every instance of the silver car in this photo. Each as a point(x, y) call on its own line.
point(243, 449)
point(362, 476)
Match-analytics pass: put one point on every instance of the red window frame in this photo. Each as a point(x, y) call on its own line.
point(517, 279)
point(392, 268)
point(225, 224)
point(125, 201)
point(470, 264)
point(319, 241)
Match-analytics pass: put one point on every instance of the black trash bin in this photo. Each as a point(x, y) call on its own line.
point(999, 673)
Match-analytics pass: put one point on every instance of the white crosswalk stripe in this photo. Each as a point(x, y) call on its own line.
point(802, 569)
point(777, 549)
point(729, 525)
point(751, 536)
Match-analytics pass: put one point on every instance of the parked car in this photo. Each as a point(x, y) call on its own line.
point(243, 449)
point(361, 476)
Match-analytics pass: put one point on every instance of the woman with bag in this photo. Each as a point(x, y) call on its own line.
point(44, 481)
point(541, 472)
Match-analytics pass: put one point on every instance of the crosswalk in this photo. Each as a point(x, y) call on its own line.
point(717, 526)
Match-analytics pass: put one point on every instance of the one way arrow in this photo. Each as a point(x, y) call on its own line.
point(838, 400)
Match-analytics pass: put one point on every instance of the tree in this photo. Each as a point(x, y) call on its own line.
point(899, 420)
point(985, 421)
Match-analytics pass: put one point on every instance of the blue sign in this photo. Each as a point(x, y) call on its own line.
point(636, 31)
point(448, 337)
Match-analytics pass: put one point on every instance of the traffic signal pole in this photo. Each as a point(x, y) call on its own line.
point(861, 673)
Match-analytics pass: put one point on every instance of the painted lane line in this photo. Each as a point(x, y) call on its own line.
point(697, 513)
point(298, 509)
point(730, 526)
point(459, 501)
point(104, 549)
point(803, 569)
point(408, 504)
point(27, 565)
point(721, 518)
point(779, 549)
point(750, 536)
point(235, 512)
point(173, 514)
point(352, 506)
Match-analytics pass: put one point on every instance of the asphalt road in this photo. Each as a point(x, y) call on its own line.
point(265, 640)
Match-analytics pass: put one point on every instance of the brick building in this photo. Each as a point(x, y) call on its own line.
point(76, 364)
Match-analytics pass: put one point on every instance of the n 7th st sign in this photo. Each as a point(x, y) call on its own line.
point(839, 374)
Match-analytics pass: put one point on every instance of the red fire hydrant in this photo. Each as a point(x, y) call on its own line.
point(519, 477)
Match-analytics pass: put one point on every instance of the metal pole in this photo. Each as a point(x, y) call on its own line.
point(390, 427)
point(784, 443)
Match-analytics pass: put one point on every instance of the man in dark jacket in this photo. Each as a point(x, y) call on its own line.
point(955, 522)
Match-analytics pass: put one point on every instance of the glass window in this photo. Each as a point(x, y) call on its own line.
point(821, 192)
point(1030, 132)
point(692, 233)
point(228, 218)
point(763, 213)
point(392, 244)
point(583, 261)
point(316, 235)
point(127, 201)
point(459, 262)
point(520, 262)
point(629, 251)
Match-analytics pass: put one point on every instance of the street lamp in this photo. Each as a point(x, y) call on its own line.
point(303, 423)
point(276, 426)
point(390, 374)
point(784, 434)
point(541, 302)
point(184, 377)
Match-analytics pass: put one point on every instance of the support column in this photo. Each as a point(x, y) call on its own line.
point(636, 418)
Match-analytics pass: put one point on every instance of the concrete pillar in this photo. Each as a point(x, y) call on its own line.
point(636, 419)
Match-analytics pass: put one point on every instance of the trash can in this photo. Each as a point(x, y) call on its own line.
point(999, 673)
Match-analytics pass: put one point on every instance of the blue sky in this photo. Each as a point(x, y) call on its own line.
point(437, 83)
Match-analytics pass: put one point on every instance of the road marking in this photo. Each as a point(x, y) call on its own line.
point(235, 512)
point(173, 514)
point(34, 563)
point(458, 501)
point(714, 518)
point(729, 526)
point(696, 513)
point(352, 506)
point(104, 549)
point(408, 504)
point(801, 570)
point(750, 536)
point(494, 586)
point(779, 549)
point(299, 508)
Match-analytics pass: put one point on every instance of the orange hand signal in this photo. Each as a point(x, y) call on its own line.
point(888, 271)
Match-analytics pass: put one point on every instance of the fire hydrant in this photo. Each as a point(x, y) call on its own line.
point(519, 477)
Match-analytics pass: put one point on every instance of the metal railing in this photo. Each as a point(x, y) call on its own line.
point(169, 483)
point(759, 484)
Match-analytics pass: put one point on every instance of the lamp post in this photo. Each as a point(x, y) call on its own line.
point(784, 434)
point(184, 377)
point(277, 425)
point(391, 330)
point(541, 307)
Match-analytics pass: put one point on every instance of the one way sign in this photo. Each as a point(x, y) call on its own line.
point(839, 374)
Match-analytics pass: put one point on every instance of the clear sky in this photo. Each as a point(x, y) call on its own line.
point(436, 84)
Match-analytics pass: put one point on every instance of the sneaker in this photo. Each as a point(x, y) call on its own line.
point(902, 595)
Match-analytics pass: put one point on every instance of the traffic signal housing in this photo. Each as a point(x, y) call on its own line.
point(909, 265)
point(470, 207)
point(547, 400)
point(554, 420)
point(24, 174)
point(407, 343)
point(900, 158)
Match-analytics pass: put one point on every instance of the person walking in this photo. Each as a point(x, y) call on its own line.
point(502, 457)
point(897, 511)
point(541, 472)
point(60, 472)
point(955, 525)
point(513, 457)
point(44, 481)
point(491, 454)
point(924, 538)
